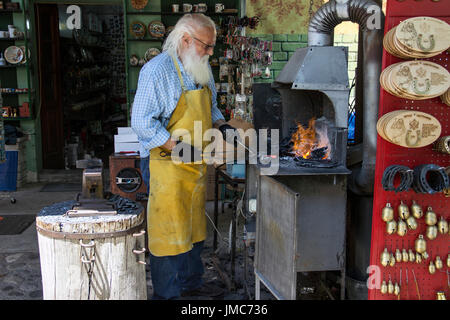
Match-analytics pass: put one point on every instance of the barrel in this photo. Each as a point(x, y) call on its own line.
point(99, 257)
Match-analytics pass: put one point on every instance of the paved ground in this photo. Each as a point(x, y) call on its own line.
point(20, 274)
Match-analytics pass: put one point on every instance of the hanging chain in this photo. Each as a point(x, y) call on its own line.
point(310, 11)
point(88, 260)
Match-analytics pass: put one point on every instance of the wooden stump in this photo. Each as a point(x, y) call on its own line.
point(92, 258)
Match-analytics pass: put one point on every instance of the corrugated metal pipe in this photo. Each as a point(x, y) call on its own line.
point(369, 16)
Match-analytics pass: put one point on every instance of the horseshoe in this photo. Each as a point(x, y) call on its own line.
point(408, 139)
point(422, 47)
point(423, 92)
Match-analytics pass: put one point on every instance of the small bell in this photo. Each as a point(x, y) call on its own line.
point(439, 264)
point(430, 217)
point(440, 295)
point(431, 267)
point(402, 228)
point(384, 287)
point(391, 260)
point(396, 289)
point(412, 256)
point(416, 210)
point(398, 255)
point(448, 260)
point(425, 255)
point(420, 244)
point(405, 256)
point(403, 210)
point(431, 232)
point(412, 223)
point(442, 226)
point(418, 258)
point(385, 258)
point(387, 214)
point(391, 227)
point(390, 287)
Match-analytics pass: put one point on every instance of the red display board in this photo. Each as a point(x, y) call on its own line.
point(388, 154)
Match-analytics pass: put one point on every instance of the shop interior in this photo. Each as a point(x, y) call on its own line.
point(90, 64)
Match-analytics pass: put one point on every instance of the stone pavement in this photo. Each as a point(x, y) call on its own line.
point(20, 274)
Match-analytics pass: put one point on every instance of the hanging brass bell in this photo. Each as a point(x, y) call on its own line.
point(416, 210)
point(420, 244)
point(425, 255)
point(418, 258)
point(391, 260)
point(430, 217)
point(387, 214)
point(442, 226)
point(412, 256)
point(396, 289)
point(440, 295)
point(412, 223)
point(390, 287)
point(403, 211)
point(385, 257)
point(405, 256)
point(384, 287)
point(391, 227)
point(431, 268)
point(398, 255)
point(432, 232)
point(438, 263)
point(402, 228)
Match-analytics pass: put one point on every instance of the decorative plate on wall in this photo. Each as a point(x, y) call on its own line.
point(139, 4)
point(137, 29)
point(157, 29)
point(151, 53)
point(13, 55)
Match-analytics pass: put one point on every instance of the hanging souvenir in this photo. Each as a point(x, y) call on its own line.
point(157, 29)
point(139, 4)
point(137, 29)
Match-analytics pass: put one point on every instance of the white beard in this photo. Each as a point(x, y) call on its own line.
point(196, 67)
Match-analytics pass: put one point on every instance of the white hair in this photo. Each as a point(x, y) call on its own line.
point(189, 23)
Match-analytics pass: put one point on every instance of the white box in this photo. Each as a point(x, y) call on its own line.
point(125, 130)
point(126, 146)
point(126, 138)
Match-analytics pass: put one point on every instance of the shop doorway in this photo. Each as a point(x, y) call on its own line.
point(50, 86)
point(82, 82)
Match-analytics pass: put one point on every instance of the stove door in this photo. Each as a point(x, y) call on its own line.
point(276, 237)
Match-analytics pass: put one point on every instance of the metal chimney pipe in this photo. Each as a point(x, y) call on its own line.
point(320, 33)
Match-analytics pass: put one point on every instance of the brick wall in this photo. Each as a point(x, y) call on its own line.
point(283, 47)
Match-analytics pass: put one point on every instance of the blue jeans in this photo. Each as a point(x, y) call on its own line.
point(172, 275)
point(145, 171)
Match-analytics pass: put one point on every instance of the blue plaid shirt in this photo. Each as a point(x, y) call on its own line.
point(157, 95)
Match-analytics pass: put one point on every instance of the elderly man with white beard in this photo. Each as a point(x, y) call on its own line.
point(175, 90)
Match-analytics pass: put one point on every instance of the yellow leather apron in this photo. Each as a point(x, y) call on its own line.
point(176, 205)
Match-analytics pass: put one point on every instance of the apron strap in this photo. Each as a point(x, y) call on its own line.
point(175, 62)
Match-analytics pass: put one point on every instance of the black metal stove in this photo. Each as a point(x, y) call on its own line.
point(301, 209)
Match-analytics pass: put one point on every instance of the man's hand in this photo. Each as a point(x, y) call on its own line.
point(170, 144)
point(230, 134)
point(186, 152)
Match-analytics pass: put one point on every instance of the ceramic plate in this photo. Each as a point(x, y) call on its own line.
point(137, 29)
point(151, 53)
point(13, 55)
point(157, 29)
point(139, 4)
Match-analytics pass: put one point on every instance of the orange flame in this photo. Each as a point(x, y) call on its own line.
point(307, 140)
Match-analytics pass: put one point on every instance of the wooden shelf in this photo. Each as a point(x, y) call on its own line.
point(11, 39)
point(145, 12)
point(11, 11)
point(16, 118)
point(13, 66)
point(205, 13)
point(147, 39)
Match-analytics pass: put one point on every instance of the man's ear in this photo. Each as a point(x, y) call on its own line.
point(187, 39)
